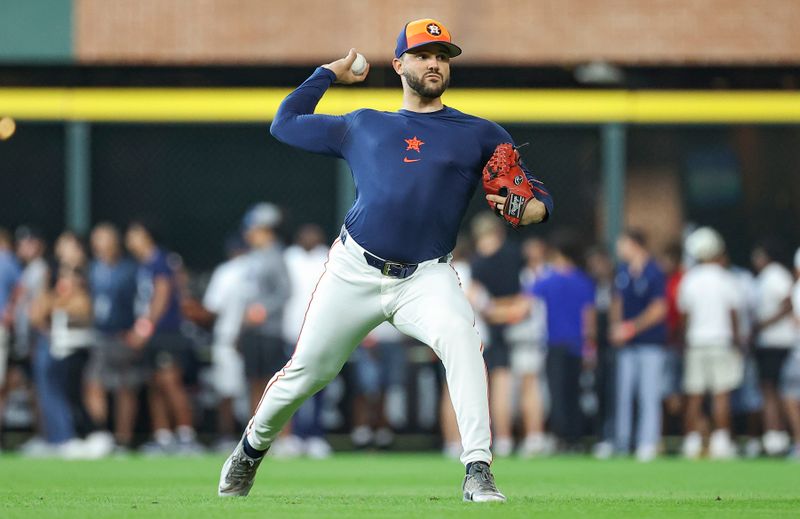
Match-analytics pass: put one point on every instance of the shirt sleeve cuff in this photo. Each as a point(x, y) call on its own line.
point(322, 71)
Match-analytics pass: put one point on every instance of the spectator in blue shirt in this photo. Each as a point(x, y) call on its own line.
point(156, 332)
point(114, 365)
point(568, 294)
point(639, 331)
point(9, 275)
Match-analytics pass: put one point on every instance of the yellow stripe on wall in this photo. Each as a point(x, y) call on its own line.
point(523, 106)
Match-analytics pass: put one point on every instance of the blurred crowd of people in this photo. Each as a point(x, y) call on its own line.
point(576, 345)
point(680, 341)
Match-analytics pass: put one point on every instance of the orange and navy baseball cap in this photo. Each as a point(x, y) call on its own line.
point(423, 32)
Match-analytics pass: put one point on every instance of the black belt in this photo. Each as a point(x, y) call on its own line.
point(394, 269)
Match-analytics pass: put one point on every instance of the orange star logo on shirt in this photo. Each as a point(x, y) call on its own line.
point(414, 144)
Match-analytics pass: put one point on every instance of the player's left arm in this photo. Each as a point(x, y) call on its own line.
point(540, 207)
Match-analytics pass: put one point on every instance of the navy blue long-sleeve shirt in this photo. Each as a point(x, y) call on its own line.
point(414, 173)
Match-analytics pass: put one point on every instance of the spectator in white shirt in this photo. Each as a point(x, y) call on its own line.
point(708, 301)
point(746, 399)
point(305, 263)
point(224, 298)
point(775, 336)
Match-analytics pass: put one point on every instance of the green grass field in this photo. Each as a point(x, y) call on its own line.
point(398, 485)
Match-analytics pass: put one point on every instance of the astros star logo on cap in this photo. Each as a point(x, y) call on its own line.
point(433, 29)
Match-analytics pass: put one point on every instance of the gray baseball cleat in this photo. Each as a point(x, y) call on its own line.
point(238, 473)
point(479, 485)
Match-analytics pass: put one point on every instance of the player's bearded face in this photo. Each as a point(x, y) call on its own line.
point(424, 85)
point(429, 81)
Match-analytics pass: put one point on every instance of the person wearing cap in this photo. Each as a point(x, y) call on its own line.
point(709, 301)
point(266, 290)
point(415, 172)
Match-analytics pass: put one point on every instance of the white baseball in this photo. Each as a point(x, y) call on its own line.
point(359, 65)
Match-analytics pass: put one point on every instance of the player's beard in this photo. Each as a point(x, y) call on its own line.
point(424, 90)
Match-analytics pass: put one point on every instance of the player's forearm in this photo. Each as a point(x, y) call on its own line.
point(535, 212)
point(541, 193)
point(737, 339)
point(784, 310)
point(654, 314)
point(162, 291)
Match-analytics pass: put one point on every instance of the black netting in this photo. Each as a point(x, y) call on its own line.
point(196, 181)
point(32, 178)
point(742, 180)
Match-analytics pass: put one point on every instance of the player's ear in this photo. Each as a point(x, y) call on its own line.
point(397, 65)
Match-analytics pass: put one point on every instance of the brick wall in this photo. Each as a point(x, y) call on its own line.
point(490, 31)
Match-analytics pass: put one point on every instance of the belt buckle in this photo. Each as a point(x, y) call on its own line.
point(387, 267)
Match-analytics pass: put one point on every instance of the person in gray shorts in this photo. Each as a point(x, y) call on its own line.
point(114, 366)
point(267, 289)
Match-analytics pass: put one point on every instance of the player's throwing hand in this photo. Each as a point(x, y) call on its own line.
point(341, 67)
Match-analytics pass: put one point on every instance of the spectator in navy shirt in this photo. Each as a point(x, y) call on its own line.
point(114, 365)
point(568, 294)
point(495, 273)
point(639, 331)
point(157, 333)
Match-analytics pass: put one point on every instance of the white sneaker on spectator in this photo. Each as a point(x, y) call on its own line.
point(74, 449)
point(384, 438)
point(692, 446)
point(720, 446)
point(603, 450)
point(158, 448)
point(189, 448)
point(99, 444)
point(752, 448)
point(122, 451)
point(225, 444)
point(534, 445)
point(162, 444)
point(452, 450)
point(646, 453)
point(287, 447)
point(37, 447)
point(318, 448)
point(361, 436)
point(503, 447)
point(775, 442)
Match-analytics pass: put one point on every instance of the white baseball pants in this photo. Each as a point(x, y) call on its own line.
point(352, 298)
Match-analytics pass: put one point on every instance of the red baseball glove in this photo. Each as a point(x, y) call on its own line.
point(503, 175)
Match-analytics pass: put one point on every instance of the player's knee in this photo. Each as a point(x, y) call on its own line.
point(316, 375)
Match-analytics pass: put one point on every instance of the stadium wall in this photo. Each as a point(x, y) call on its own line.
point(512, 32)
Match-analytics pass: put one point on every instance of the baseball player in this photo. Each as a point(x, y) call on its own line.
point(415, 171)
